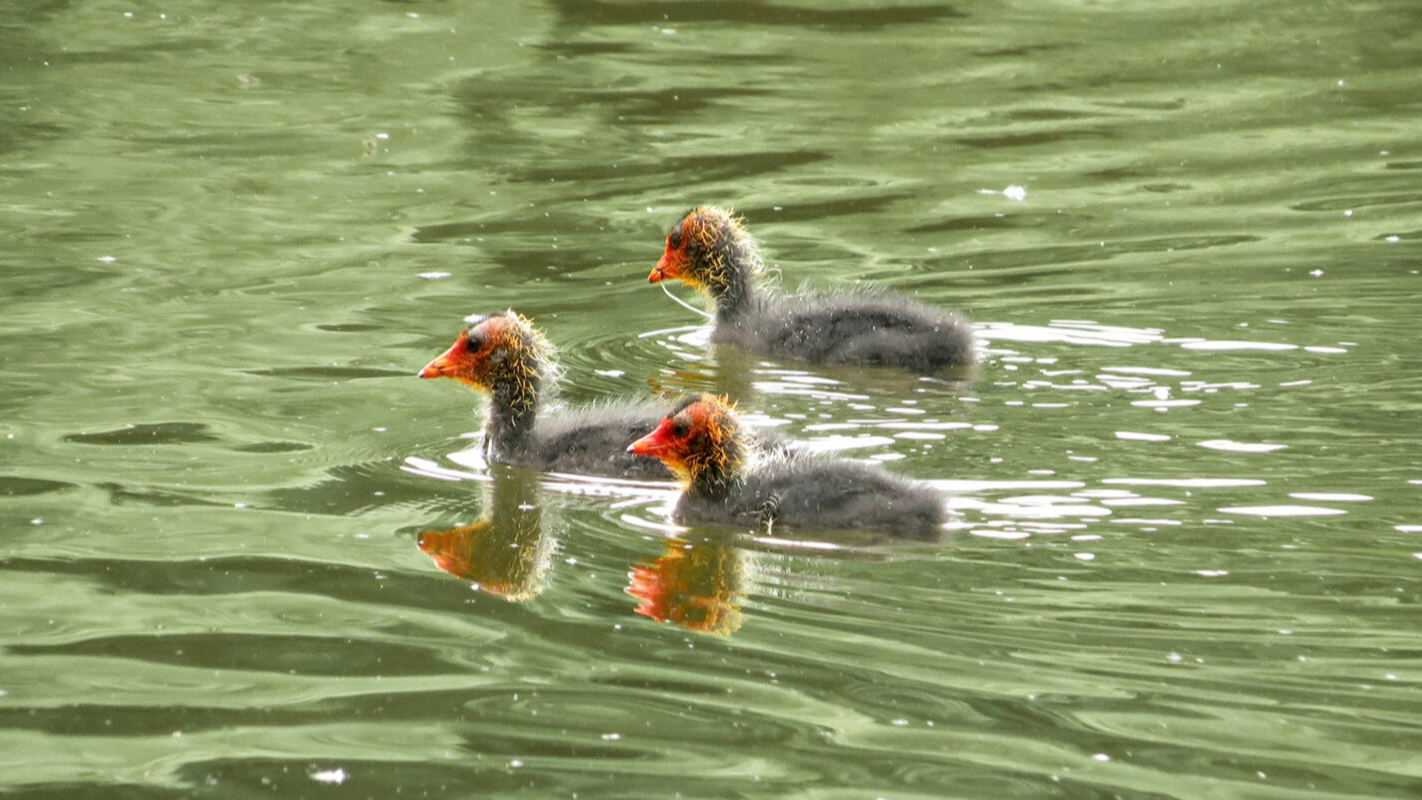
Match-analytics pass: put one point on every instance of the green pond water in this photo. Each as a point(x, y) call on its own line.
point(1186, 553)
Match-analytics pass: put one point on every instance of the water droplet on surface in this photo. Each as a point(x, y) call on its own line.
point(337, 775)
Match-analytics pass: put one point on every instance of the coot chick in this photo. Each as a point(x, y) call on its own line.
point(710, 250)
point(505, 356)
point(727, 482)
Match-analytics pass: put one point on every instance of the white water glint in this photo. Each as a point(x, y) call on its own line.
point(1283, 511)
point(1135, 436)
point(1187, 483)
point(1223, 346)
point(1240, 447)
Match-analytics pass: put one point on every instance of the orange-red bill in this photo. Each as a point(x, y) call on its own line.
point(446, 364)
point(654, 443)
point(666, 267)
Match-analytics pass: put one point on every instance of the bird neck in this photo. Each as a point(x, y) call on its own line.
point(734, 295)
point(716, 465)
point(733, 263)
point(513, 406)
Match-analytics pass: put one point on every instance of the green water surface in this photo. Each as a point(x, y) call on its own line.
point(1186, 557)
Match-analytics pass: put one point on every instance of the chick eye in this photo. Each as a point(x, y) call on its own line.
point(679, 429)
point(674, 240)
point(473, 343)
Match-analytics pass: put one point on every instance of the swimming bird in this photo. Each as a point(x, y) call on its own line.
point(506, 357)
point(711, 250)
point(726, 481)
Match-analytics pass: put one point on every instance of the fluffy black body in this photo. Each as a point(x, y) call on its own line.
point(868, 327)
point(808, 491)
point(591, 440)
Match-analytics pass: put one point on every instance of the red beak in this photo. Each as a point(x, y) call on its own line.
point(446, 364)
point(655, 443)
point(666, 267)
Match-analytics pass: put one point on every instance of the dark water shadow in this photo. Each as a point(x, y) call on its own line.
point(1036, 137)
point(281, 653)
point(243, 575)
point(667, 172)
point(148, 434)
point(19, 280)
point(326, 373)
point(273, 447)
point(121, 495)
point(605, 12)
point(17, 486)
point(69, 790)
point(658, 106)
point(801, 212)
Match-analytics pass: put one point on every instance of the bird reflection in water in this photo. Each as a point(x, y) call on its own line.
point(730, 372)
point(697, 585)
point(506, 552)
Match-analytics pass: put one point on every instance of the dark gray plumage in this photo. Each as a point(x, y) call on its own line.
point(868, 327)
point(592, 440)
point(710, 250)
point(807, 491)
point(730, 481)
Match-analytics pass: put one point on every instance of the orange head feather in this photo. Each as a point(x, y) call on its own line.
point(710, 249)
point(497, 353)
point(701, 441)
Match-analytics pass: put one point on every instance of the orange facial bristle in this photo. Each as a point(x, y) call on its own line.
point(525, 357)
point(712, 452)
point(720, 256)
